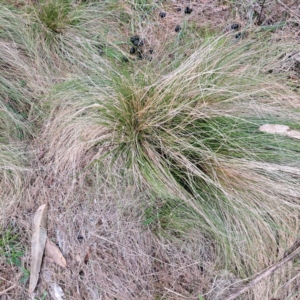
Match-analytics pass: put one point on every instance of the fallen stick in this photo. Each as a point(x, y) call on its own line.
point(267, 272)
point(8, 289)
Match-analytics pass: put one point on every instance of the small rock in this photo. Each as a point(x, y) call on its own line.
point(132, 50)
point(235, 26)
point(178, 9)
point(177, 28)
point(162, 14)
point(188, 10)
point(124, 59)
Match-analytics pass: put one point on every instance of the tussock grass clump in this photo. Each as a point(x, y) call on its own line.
point(192, 134)
point(75, 36)
point(12, 160)
point(11, 172)
point(16, 107)
point(152, 163)
point(58, 37)
point(55, 15)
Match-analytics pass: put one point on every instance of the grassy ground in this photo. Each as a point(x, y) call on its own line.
point(138, 123)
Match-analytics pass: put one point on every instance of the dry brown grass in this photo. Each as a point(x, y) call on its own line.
point(109, 254)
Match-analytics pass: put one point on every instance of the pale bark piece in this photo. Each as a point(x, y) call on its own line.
point(56, 292)
point(294, 134)
point(274, 128)
point(38, 242)
point(53, 252)
point(280, 129)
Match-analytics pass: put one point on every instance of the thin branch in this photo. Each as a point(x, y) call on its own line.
point(264, 274)
point(8, 289)
point(261, 10)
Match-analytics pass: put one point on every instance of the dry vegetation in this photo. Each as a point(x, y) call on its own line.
point(159, 183)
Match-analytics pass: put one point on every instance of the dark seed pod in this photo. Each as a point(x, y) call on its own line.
point(151, 51)
point(141, 43)
point(235, 26)
point(81, 274)
point(136, 41)
point(147, 57)
point(178, 9)
point(124, 59)
point(132, 50)
point(162, 14)
point(177, 28)
point(80, 238)
point(239, 35)
point(134, 38)
point(188, 10)
point(139, 54)
point(100, 49)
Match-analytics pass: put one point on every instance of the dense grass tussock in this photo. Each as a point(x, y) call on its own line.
point(76, 33)
point(63, 36)
point(13, 128)
point(192, 135)
point(15, 108)
point(12, 159)
point(164, 148)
